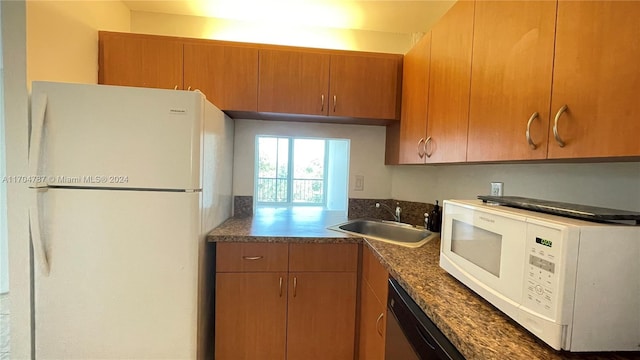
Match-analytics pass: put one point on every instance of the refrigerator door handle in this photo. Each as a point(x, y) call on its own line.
point(35, 140)
point(39, 250)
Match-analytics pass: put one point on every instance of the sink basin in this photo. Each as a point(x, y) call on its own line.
point(395, 233)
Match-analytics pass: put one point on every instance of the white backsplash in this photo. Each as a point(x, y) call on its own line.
point(613, 185)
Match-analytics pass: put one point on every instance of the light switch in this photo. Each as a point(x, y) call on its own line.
point(359, 186)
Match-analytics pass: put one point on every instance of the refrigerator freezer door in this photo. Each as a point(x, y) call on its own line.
point(115, 136)
point(123, 278)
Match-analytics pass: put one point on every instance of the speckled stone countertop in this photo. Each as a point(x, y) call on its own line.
point(475, 327)
point(283, 225)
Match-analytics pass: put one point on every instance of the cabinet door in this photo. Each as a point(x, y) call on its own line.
point(364, 86)
point(140, 60)
point(293, 82)
point(449, 85)
point(372, 324)
point(415, 94)
point(596, 75)
point(374, 288)
point(227, 75)
point(251, 312)
point(321, 317)
point(510, 79)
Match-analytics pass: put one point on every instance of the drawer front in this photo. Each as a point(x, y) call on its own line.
point(251, 257)
point(375, 274)
point(323, 257)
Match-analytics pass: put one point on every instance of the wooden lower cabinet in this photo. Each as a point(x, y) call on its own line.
point(306, 313)
point(373, 308)
point(251, 313)
point(321, 317)
point(373, 319)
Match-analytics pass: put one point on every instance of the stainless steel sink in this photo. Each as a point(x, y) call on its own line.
point(391, 232)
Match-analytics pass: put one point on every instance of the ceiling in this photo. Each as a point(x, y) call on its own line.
point(385, 16)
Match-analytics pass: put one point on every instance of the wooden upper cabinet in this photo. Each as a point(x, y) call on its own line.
point(415, 95)
point(596, 76)
point(449, 85)
point(227, 75)
point(511, 79)
point(364, 86)
point(140, 60)
point(293, 82)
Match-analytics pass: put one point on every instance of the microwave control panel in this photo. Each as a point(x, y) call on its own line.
point(542, 270)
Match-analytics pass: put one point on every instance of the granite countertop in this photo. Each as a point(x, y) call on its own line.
point(475, 327)
point(283, 225)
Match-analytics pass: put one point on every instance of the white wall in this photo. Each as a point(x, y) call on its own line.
point(16, 115)
point(4, 247)
point(337, 175)
point(367, 153)
point(245, 31)
point(614, 185)
point(62, 37)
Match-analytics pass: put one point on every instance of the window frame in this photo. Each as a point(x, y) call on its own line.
point(290, 173)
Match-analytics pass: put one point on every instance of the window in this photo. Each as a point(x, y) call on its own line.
point(301, 172)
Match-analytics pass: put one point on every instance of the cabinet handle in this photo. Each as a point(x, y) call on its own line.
point(252, 257)
point(426, 146)
point(189, 88)
point(378, 323)
point(420, 153)
point(175, 87)
point(555, 125)
point(322, 103)
point(295, 286)
point(528, 133)
point(280, 286)
point(335, 100)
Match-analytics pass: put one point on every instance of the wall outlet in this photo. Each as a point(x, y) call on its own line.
point(496, 189)
point(359, 186)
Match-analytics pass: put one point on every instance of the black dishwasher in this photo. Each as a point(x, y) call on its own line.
point(410, 333)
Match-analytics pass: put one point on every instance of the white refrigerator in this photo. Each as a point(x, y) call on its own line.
point(126, 184)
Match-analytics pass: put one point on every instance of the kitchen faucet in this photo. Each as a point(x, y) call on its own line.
point(396, 216)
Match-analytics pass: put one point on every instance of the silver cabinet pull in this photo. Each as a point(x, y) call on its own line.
point(322, 103)
point(427, 147)
point(378, 323)
point(335, 100)
point(252, 257)
point(295, 286)
point(555, 125)
point(420, 153)
point(189, 88)
point(280, 286)
point(528, 133)
point(175, 87)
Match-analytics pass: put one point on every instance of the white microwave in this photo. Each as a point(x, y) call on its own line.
point(574, 284)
